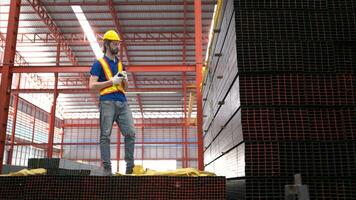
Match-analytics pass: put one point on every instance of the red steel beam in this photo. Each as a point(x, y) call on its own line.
point(50, 24)
point(199, 75)
point(124, 3)
point(176, 119)
point(80, 99)
point(91, 57)
point(57, 35)
point(20, 60)
point(136, 125)
point(98, 159)
point(96, 143)
point(185, 153)
point(185, 149)
point(123, 11)
point(14, 119)
point(89, 62)
point(85, 69)
point(129, 50)
point(92, 111)
point(127, 3)
point(132, 37)
point(62, 139)
point(157, 25)
point(160, 43)
point(6, 78)
point(79, 38)
point(88, 91)
point(118, 27)
point(75, 81)
point(123, 19)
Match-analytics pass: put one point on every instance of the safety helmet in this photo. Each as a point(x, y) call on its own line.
point(111, 35)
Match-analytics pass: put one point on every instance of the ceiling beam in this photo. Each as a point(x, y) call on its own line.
point(136, 125)
point(123, 11)
point(156, 25)
point(85, 69)
point(56, 34)
point(51, 25)
point(124, 3)
point(87, 91)
point(132, 37)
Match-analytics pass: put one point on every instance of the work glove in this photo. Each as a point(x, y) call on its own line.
point(124, 74)
point(117, 79)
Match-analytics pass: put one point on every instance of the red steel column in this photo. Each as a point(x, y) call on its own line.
point(52, 120)
point(14, 119)
point(62, 139)
point(184, 139)
point(199, 77)
point(6, 80)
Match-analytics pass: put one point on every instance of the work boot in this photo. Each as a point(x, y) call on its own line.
point(107, 171)
point(129, 170)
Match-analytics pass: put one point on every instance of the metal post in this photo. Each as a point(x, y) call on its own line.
point(184, 146)
point(142, 146)
point(62, 139)
point(199, 76)
point(14, 119)
point(34, 124)
point(52, 120)
point(185, 149)
point(298, 191)
point(6, 79)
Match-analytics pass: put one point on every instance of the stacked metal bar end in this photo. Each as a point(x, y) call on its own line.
point(282, 99)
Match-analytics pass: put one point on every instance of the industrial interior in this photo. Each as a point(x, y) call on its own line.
point(230, 99)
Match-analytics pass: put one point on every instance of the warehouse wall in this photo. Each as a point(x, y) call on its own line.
point(75, 132)
point(294, 106)
point(31, 132)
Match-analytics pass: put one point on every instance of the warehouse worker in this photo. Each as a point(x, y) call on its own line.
point(109, 77)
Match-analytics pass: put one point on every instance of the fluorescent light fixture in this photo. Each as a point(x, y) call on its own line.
point(210, 34)
point(88, 31)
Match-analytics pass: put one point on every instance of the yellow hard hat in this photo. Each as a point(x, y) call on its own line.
point(111, 35)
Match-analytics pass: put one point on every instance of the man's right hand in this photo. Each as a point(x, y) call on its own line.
point(116, 80)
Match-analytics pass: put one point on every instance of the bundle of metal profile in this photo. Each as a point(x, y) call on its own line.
point(250, 188)
point(57, 166)
point(115, 187)
point(68, 172)
point(291, 4)
point(291, 107)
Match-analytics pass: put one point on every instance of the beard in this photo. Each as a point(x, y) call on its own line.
point(114, 51)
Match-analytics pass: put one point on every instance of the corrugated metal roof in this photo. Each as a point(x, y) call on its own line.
point(142, 27)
